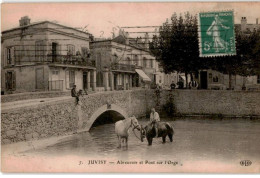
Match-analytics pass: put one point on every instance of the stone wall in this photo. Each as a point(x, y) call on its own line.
point(225, 102)
point(32, 95)
point(39, 121)
point(62, 117)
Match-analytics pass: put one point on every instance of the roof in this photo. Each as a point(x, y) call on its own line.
point(42, 22)
point(132, 42)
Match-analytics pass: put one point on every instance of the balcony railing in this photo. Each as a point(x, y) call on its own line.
point(123, 67)
point(70, 60)
point(56, 85)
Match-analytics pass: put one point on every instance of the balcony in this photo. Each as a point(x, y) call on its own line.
point(70, 61)
point(123, 67)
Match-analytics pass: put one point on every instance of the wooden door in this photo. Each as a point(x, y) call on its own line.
point(39, 79)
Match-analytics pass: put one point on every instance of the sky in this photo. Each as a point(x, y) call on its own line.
point(102, 18)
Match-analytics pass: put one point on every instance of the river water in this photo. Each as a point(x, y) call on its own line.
point(226, 140)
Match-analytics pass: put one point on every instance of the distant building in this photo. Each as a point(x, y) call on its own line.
point(214, 80)
point(246, 27)
point(211, 79)
point(165, 80)
point(45, 56)
point(123, 63)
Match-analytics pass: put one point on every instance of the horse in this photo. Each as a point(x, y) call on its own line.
point(164, 130)
point(122, 129)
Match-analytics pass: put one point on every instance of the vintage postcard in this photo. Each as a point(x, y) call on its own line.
point(154, 87)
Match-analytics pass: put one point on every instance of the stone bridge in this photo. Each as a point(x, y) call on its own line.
point(126, 103)
point(62, 117)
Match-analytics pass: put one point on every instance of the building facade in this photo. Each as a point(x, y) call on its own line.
point(214, 80)
point(246, 27)
point(211, 79)
point(45, 56)
point(122, 64)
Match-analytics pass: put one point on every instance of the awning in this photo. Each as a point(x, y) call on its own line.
point(182, 77)
point(143, 75)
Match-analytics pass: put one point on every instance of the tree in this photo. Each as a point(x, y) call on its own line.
point(176, 47)
point(245, 62)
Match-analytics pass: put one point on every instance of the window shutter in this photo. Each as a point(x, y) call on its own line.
point(6, 81)
point(73, 50)
point(37, 50)
point(14, 80)
point(44, 50)
point(5, 57)
point(67, 79)
point(59, 49)
point(49, 52)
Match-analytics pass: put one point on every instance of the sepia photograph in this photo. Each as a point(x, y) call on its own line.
point(130, 87)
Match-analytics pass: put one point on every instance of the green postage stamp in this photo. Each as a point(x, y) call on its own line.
point(216, 33)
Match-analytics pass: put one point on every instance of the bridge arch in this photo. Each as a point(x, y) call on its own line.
point(101, 110)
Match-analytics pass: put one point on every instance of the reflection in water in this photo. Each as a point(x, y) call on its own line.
point(202, 139)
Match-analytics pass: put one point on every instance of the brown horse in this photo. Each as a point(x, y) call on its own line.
point(164, 130)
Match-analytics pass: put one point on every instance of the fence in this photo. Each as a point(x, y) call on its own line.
point(56, 85)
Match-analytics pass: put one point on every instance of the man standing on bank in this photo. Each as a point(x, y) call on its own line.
point(154, 119)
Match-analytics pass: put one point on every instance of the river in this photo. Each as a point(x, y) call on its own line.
point(224, 140)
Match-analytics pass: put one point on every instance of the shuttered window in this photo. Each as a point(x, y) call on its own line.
point(84, 51)
point(144, 62)
point(119, 79)
point(70, 79)
point(71, 49)
point(9, 54)
point(151, 63)
point(39, 50)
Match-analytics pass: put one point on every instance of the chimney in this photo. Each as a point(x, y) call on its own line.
point(243, 23)
point(256, 21)
point(139, 40)
point(24, 21)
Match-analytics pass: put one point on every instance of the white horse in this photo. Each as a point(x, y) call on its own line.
point(122, 129)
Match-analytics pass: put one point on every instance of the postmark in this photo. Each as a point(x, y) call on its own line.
point(216, 33)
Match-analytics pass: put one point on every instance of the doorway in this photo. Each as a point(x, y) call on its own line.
point(39, 75)
point(54, 48)
point(85, 81)
point(115, 82)
point(203, 80)
point(10, 80)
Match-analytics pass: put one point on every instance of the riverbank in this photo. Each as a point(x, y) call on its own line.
point(35, 119)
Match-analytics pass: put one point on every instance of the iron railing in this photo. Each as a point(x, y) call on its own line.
point(56, 85)
point(70, 60)
point(123, 67)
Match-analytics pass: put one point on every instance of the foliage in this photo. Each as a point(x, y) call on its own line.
point(170, 107)
point(246, 62)
point(176, 48)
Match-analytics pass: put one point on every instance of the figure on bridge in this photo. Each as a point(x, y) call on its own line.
point(75, 94)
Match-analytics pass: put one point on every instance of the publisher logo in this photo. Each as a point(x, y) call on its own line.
point(245, 163)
